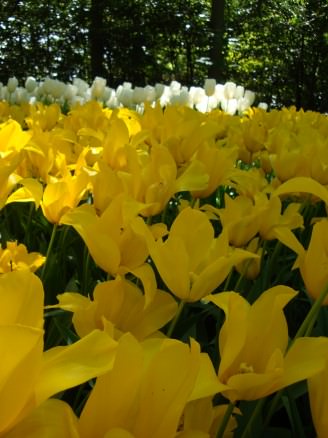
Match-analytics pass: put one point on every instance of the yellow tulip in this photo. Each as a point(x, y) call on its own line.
point(122, 305)
point(12, 138)
point(312, 262)
point(154, 178)
point(8, 177)
point(112, 243)
point(219, 165)
point(21, 344)
point(15, 257)
point(202, 417)
point(272, 218)
point(31, 190)
point(62, 196)
point(253, 346)
point(240, 218)
point(191, 261)
point(145, 393)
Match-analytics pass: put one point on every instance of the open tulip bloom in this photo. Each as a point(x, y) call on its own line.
point(180, 245)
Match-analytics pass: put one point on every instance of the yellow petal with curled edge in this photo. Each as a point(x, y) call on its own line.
point(303, 184)
point(31, 191)
point(305, 358)
point(103, 248)
point(65, 367)
point(233, 332)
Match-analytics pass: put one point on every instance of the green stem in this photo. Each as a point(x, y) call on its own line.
point(28, 225)
point(227, 282)
point(272, 262)
point(225, 420)
point(256, 412)
point(85, 272)
point(174, 321)
point(311, 317)
point(52, 239)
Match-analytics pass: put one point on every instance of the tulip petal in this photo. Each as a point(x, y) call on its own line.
point(20, 350)
point(302, 184)
point(65, 367)
point(52, 419)
point(318, 390)
point(305, 358)
point(233, 332)
point(111, 402)
point(169, 382)
point(21, 299)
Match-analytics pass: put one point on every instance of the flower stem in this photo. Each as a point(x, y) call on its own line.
point(52, 239)
point(175, 319)
point(311, 317)
point(225, 420)
point(256, 412)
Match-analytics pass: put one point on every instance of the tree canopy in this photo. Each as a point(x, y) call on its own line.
point(277, 48)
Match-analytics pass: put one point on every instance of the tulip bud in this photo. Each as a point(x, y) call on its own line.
point(209, 87)
point(12, 84)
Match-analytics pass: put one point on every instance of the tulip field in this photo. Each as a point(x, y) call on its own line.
point(164, 272)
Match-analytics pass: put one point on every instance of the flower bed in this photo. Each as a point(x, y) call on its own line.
point(169, 266)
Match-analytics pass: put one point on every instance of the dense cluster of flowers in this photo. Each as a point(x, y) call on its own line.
point(170, 250)
point(229, 97)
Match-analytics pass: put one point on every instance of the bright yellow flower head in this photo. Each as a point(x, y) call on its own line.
point(63, 195)
point(219, 164)
point(153, 178)
point(15, 258)
point(145, 393)
point(253, 346)
point(191, 261)
point(44, 117)
point(12, 138)
point(28, 377)
point(112, 243)
point(240, 218)
point(8, 179)
point(119, 305)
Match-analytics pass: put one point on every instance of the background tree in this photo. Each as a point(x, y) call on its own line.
point(278, 48)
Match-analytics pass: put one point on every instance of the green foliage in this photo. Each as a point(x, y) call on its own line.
point(277, 48)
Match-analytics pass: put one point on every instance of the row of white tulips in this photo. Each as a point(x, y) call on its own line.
point(229, 97)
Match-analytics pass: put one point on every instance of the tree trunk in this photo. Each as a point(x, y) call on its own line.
point(217, 68)
point(97, 38)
